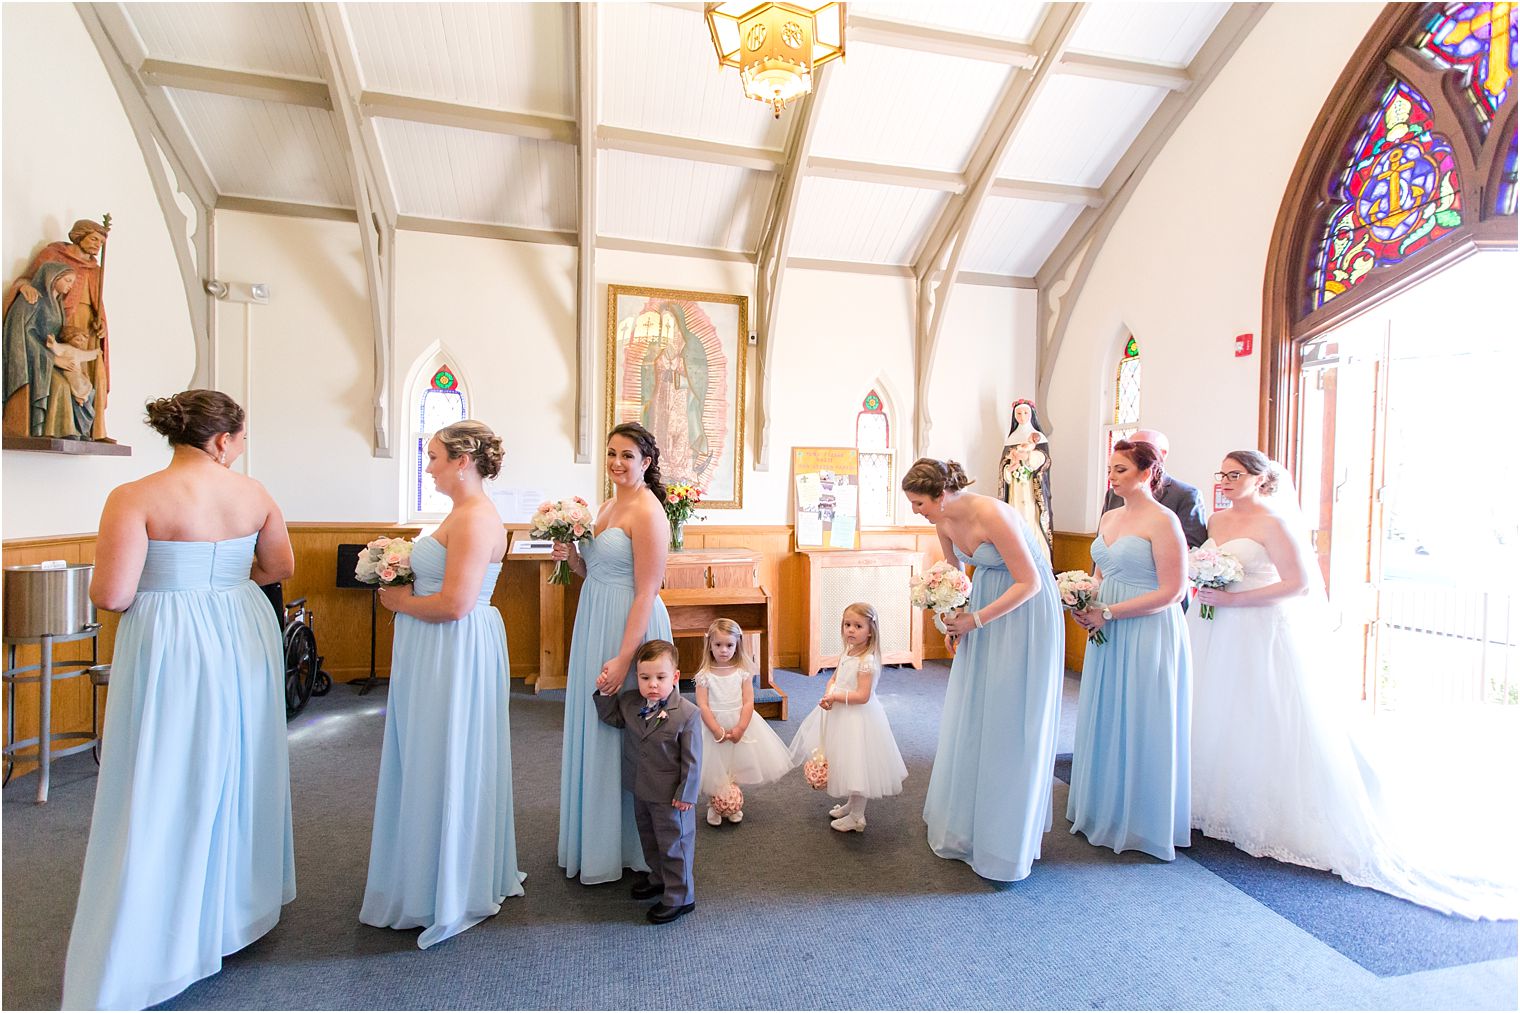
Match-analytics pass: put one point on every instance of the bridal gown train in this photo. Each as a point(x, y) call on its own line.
point(1278, 772)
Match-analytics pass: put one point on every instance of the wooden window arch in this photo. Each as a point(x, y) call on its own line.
point(1410, 88)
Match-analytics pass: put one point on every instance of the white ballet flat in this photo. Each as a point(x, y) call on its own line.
point(737, 817)
point(842, 809)
point(713, 819)
point(845, 824)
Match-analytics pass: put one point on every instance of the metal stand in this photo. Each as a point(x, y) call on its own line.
point(41, 748)
point(367, 684)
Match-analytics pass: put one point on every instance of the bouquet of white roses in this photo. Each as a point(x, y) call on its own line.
point(1208, 567)
point(568, 520)
point(944, 588)
point(1079, 591)
point(386, 561)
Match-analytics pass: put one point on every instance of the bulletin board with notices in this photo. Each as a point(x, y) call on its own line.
point(827, 480)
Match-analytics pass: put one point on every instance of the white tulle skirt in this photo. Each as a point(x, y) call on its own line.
point(857, 741)
point(1283, 769)
point(760, 757)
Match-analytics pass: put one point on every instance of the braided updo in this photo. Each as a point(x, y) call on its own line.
point(476, 440)
point(192, 417)
point(934, 478)
point(644, 440)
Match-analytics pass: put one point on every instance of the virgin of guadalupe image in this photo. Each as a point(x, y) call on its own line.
point(1024, 472)
point(674, 377)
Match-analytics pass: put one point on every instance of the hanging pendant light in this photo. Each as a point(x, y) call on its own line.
point(776, 46)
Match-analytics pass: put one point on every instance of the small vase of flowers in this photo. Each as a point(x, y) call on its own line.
point(681, 503)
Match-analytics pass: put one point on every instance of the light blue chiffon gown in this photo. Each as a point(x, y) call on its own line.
point(190, 855)
point(597, 837)
point(443, 853)
point(989, 801)
point(1130, 771)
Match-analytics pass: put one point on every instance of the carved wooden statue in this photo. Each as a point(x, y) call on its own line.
point(57, 356)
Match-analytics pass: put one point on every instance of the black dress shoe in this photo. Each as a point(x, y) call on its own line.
point(662, 913)
point(646, 890)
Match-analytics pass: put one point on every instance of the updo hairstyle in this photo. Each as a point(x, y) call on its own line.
point(644, 440)
point(932, 478)
point(192, 417)
point(475, 440)
point(1259, 464)
point(1144, 456)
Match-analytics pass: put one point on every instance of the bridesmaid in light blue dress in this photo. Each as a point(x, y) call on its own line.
point(1130, 771)
point(190, 855)
point(989, 800)
point(443, 853)
point(619, 609)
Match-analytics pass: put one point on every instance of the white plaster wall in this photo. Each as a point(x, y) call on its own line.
point(505, 313)
point(69, 153)
point(1183, 266)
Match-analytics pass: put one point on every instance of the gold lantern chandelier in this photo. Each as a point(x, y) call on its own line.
point(776, 46)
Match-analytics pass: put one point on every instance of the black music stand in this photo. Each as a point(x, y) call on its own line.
point(348, 558)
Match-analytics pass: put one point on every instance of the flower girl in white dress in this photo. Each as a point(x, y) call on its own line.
point(850, 725)
point(740, 748)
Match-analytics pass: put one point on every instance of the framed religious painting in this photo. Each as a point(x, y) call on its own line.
point(675, 364)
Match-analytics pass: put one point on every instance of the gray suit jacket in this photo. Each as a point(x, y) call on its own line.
point(1182, 500)
point(662, 757)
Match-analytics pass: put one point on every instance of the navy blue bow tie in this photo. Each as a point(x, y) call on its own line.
point(651, 708)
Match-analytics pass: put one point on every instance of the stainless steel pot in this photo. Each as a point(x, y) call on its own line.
point(48, 601)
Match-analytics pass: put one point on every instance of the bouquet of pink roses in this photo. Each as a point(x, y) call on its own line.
point(943, 589)
point(816, 770)
point(1079, 590)
point(1208, 567)
point(568, 520)
point(729, 801)
point(386, 561)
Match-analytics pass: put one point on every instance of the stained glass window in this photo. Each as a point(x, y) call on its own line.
point(441, 403)
point(873, 445)
point(1127, 385)
point(1397, 194)
point(1504, 203)
point(1480, 42)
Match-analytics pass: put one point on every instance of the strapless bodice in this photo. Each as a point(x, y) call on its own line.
point(1128, 560)
point(197, 566)
point(428, 559)
point(609, 558)
point(1253, 557)
point(985, 556)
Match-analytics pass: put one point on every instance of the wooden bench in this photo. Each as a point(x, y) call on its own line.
point(692, 610)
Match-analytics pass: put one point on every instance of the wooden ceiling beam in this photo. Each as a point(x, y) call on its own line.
point(1107, 68)
point(694, 149)
point(889, 175)
point(452, 114)
point(945, 41)
point(588, 94)
point(236, 83)
point(1054, 193)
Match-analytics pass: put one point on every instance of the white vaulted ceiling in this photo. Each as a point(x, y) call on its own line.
point(474, 111)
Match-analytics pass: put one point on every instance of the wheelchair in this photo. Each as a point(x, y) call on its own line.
point(304, 677)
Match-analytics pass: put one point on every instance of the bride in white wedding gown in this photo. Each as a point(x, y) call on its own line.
point(1278, 769)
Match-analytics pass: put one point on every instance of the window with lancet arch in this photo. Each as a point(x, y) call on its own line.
point(877, 470)
point(437, 402)
point(1409, 167)
point(1125, 418)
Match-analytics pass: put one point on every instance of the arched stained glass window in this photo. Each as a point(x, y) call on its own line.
point(1398, 194)
point(1127, 386)
point(873, 447)
point(437, 403)
point(1479, 41)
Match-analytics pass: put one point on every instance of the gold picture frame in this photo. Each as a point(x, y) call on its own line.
point(676, 363)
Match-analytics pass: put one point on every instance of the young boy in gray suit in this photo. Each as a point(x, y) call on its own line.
point(662, 764)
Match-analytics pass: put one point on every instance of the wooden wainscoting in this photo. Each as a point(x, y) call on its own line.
point(1073, 551)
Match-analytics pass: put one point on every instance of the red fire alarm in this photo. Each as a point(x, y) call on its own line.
point(1243, 344)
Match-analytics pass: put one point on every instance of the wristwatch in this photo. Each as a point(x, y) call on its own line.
point(1108, 614)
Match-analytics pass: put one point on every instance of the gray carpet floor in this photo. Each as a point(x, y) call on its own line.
point(790, 914)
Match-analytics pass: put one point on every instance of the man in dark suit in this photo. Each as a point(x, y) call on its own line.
point(662, 765)
point(1175, 494)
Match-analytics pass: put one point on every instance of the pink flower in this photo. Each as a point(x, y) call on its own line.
point(387, 573)
point(579, 531)
point(393, 558)
point(378, 544)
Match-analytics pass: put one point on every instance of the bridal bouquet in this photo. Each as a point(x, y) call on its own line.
point(386, 561)
point(944, 588)
point(1079, 590)
point(568, 520)
point(729, 801)
point(1208, 567)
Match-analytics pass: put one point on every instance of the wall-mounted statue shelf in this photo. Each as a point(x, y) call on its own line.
point(54, 445)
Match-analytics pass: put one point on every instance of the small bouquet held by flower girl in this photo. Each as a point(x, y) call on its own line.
point(1079, 590)
point(815, 771)
point(386, 561)
point(943, 589)
point(567, 520)
point(1208, 567)
point(729, 801)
